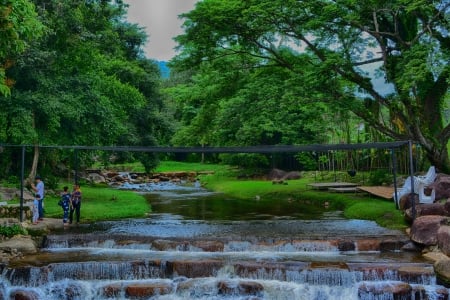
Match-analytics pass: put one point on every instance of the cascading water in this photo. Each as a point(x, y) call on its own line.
point(200, 245)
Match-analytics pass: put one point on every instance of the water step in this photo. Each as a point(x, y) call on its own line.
point(348, 243)
point(216, 280)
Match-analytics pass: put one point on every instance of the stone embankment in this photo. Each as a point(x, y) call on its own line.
point(430, 226)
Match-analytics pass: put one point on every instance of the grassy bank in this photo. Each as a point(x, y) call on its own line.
point(103, 203)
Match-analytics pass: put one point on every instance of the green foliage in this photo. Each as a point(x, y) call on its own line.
point(51, 182)
point(219, 170)
point(19, 25)
point(380, 177)
point(71, 85)
point(9, 231)
point(307, 161)
point(12, 179)
point(246, 160)
point(286, 72)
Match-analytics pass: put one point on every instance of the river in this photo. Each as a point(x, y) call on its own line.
point(197, 244)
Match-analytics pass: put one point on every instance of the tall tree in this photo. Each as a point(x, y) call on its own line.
point(405, 43)
point(19, 25)
point(84, 81)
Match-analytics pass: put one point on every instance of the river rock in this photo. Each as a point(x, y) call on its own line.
point(7, 194)
point(209, 246)
point(96, 178)
point(192, 269)
point(147, 290)
point(443, 237)
point(24, 295)
point(424, 229)
point(112, 290)
point(399, 290)
point(435, 256)
point(442, 270)
point(241, 288)
point(19, 243)
point(414, 273)
point(292, 175)
point(406, 201)
point(436, 209)
point(447, 206)
point(276, 174)
point(411, 247)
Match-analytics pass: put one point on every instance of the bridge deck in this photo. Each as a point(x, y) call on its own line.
point(379, 191)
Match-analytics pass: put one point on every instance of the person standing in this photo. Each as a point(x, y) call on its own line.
point(35, 208)
point(75, 204)
point(65, 204)
point(39, 189)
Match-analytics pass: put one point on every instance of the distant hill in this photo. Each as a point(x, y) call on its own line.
point(165, 71)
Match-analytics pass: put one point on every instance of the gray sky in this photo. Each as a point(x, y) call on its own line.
point(160, 19)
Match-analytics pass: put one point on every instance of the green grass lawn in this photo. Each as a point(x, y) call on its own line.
point(103, 203)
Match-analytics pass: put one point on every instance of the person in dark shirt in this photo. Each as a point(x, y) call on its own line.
point(75, 204)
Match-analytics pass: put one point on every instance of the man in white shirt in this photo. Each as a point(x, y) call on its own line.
point(39, 189)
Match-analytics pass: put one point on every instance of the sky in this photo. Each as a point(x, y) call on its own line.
point(160, 20)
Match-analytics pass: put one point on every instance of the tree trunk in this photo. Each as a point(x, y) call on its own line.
point(34, 164)
point(440, 160)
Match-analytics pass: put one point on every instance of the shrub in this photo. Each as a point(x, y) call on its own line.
point(380, 177)
point(10, 231)
point(51, 182)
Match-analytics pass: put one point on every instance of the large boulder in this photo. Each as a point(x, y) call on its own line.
point(96, 178)
point(443, 236)
point(442, 270)
point(292, 175)
point(436, 209)
point(424, 229)
point(406, 201)
point(17, 246)
point(441, 186)
point(13, 193)
point(276, 174)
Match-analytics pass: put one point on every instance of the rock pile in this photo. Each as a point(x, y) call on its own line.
point(115, 178)
point(430, 226)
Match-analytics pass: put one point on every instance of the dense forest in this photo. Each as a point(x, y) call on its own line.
point(255, 72)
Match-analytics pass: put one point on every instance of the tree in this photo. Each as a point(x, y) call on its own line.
point(83, 82)
point(346, 42)
point(19, 25)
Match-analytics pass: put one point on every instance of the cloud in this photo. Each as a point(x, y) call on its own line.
point(161, 22)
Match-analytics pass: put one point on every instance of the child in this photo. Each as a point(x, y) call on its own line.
point(35, 208)
point(65, 204)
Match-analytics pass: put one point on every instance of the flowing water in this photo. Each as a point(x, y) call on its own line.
point(202, 245)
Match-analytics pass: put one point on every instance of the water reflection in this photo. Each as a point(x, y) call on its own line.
point(199, 204)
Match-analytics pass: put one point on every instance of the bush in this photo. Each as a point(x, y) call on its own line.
point(12, 179)
point(380, 177)
point(246, 160)
point(51, 182)
point(10, 231)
